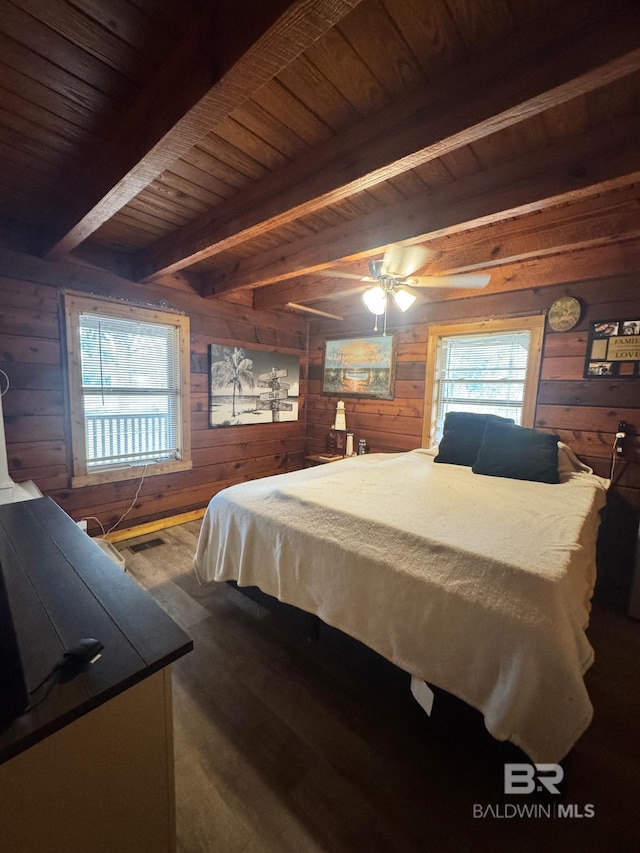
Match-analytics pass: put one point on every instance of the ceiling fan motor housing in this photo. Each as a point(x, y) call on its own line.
point(375, 267)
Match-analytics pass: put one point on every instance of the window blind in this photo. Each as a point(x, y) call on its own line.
point(483, 373)
point(131, 391)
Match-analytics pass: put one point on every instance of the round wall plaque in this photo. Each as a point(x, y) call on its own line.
point(564, 314)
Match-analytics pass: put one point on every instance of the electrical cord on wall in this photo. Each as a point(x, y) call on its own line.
point(613, 458)
point(125, 513)
point(132, 504)
point(93, 517)
point(615, 452)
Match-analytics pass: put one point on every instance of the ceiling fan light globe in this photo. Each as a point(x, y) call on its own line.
point(375, 299)
point(403, 299)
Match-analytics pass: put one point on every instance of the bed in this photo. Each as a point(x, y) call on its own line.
point(479, 585)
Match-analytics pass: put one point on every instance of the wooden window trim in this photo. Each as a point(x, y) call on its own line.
point(74, 305)
point(535, 325)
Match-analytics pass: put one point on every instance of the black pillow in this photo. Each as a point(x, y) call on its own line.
point(462, 436)
point(519, 453)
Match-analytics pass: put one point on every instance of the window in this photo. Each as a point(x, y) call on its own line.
point(128, 390)
point(488, 367)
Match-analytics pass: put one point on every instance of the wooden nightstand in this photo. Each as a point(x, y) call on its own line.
point(313, 459)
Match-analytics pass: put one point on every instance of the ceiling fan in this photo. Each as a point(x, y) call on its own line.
point(392, 277)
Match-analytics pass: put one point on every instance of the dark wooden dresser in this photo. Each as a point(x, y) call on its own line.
point(90, 767)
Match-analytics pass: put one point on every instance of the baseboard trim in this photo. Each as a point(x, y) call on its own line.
point(154, 526)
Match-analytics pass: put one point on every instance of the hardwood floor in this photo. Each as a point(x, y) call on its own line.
point(282, 746)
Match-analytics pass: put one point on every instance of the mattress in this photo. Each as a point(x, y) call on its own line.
point(478, 585)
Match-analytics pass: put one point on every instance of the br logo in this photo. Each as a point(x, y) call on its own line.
point(527, 778)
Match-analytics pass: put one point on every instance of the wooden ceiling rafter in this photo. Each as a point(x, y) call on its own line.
point(186, 97)
point(576, 168)
point(155, 155)
point(509, 85)
point(575, 226)
point(565, 228)
point(620, 259)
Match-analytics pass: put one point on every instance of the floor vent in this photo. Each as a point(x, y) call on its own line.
point(143, 546)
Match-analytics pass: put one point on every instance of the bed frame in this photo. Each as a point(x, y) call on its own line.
point(450, 716)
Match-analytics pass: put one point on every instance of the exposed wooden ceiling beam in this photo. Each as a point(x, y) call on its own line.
point(580, 265)
point(574, 266)
point(222, 58)
point(509, 85)
point(98, 257)
point(576, 225)
point(559, 230)
point(577, 168)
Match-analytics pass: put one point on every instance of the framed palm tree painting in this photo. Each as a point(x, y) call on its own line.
point(248, 386)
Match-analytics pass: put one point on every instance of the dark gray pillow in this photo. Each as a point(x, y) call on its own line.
point(462, 436)
point(519, 453)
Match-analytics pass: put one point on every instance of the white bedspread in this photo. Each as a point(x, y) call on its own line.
point(478, 585)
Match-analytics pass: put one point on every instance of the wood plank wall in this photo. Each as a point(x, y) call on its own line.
point(584, 412)
point(36, 425)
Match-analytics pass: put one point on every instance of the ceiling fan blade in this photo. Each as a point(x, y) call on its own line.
point(401, 261)
point(467, 280)
point(341, 294)
point(365, 279)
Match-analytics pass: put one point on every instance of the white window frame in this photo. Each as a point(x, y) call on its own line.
point(76, 304)
point(534, 324)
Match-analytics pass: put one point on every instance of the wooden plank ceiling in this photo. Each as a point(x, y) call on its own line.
point(272, 147)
